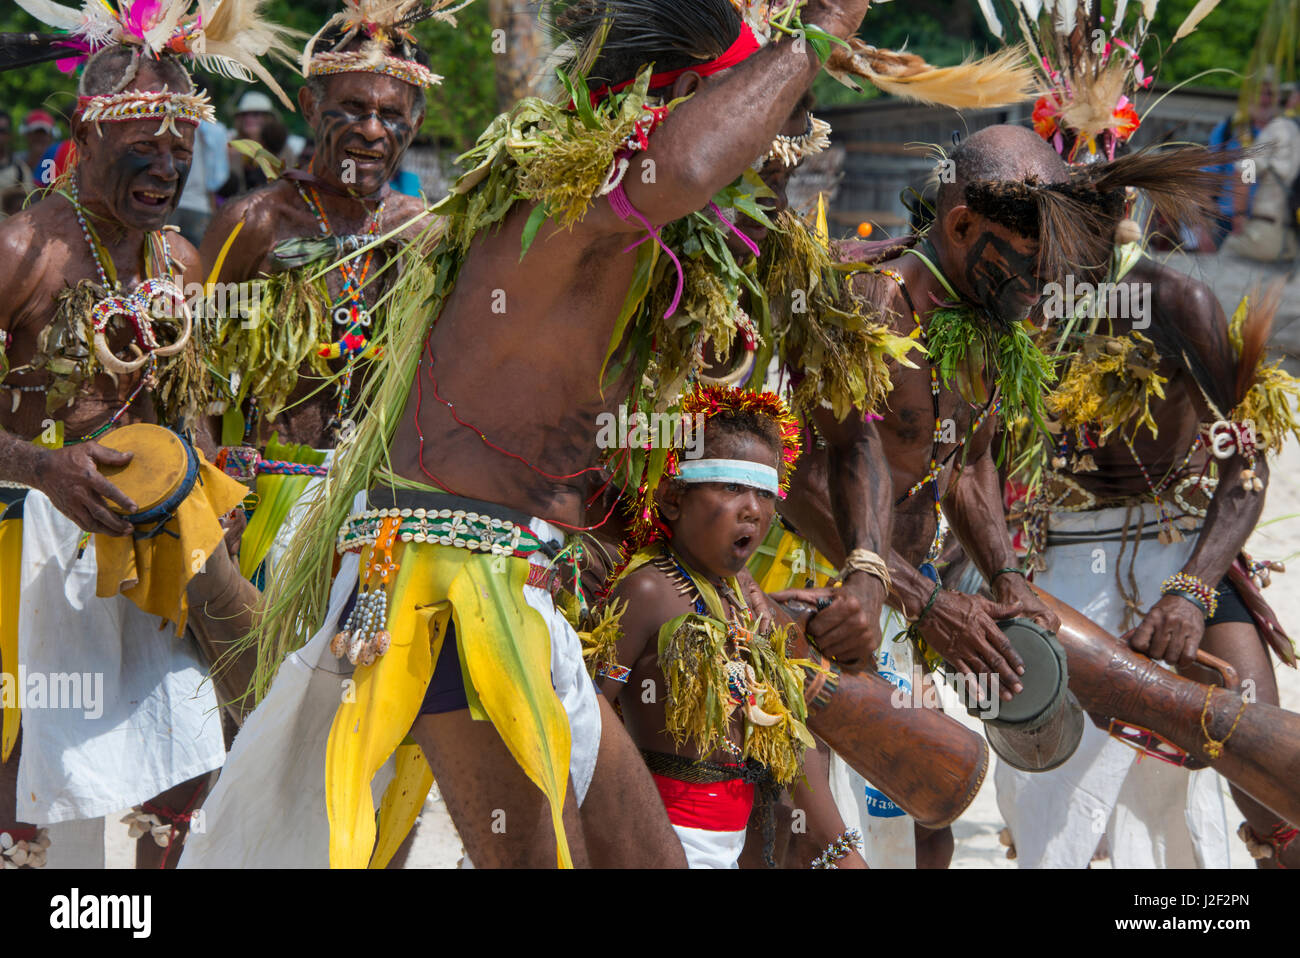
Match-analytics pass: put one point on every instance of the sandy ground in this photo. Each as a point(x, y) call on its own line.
point(1277, 537)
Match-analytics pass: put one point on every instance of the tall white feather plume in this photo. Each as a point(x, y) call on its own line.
point(1033, 8)
point(1199, 13)
point(991, 17)
point(55, 14)
point(1149, 9)
point(156, 37)
point(1066, 10)
point(98, 26)
point(1117, 21)
point(223, 66)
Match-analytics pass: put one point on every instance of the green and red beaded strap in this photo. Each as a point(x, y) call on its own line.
point(448, 527)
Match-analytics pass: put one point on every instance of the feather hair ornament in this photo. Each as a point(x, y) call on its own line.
point(1092, 68)
point(227, 37)
point(998, 80)
point(387, 44)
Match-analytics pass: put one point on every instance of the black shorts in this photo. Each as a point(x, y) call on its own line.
point(1231, 606)
point(11, 502)
point(446, 691)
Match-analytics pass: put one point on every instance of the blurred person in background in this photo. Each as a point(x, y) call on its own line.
point(1235, 132)
point(256, 120)
point(1269, 232)
point(209, 172)
point(15, 176)
point(41, 137)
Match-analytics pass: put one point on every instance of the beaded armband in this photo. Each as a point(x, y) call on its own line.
point(848, 841)
point(616, 673)
point(1226, 438)
point(1195, 590)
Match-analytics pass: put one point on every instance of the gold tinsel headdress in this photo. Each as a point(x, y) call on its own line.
point(708, 402)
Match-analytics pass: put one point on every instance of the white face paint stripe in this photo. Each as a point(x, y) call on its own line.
point(753, 474)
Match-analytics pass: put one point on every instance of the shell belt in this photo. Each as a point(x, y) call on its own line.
point(458, 528)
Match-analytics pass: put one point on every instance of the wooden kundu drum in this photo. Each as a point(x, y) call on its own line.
point(1042, 724)
point(930, 765)
point(161, 473)
point(1254, 746)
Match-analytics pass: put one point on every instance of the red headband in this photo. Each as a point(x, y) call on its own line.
point(746, 44)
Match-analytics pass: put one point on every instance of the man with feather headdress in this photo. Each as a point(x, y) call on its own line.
point(293, 369)
point(500, 403)
point(1150, 480)
point(92, 270)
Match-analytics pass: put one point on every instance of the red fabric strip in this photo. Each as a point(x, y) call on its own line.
point(715, 807)
point(745, 46)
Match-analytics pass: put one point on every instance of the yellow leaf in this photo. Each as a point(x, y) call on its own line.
point(506, 647)
point(401, 803)
point(386, 702)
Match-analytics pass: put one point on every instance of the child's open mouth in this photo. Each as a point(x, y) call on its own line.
point(742, 543)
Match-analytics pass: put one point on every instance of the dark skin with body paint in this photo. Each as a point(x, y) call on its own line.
point(363, 126)
point(528, 378)
point(996, 270)
point(716, 527)
point(129, 181)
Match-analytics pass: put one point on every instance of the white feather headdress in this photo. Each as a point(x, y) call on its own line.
point(227, 37)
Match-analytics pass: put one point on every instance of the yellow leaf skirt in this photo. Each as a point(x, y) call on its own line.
point(505, 650)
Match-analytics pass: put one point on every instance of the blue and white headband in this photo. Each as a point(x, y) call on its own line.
point(742, 471)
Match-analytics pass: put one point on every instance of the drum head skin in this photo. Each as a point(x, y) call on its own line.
point(1042, 724)
point(159, 465)
point(1044, 680)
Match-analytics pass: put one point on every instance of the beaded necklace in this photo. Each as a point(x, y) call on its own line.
point(931, 477)
point(94, 249)
point(738, 673)
point(104, 309)
point(353, 319)
point(1082, 461)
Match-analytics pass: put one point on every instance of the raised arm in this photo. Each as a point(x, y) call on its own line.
point(729, 121)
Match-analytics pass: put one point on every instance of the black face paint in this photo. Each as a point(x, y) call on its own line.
point(138, 179)
point(1003, 278)
point(347, 154)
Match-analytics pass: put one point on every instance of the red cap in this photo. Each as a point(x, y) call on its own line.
point(38, 120)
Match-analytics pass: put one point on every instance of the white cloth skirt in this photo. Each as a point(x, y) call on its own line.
point(147, 717)
point(1152, 814)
